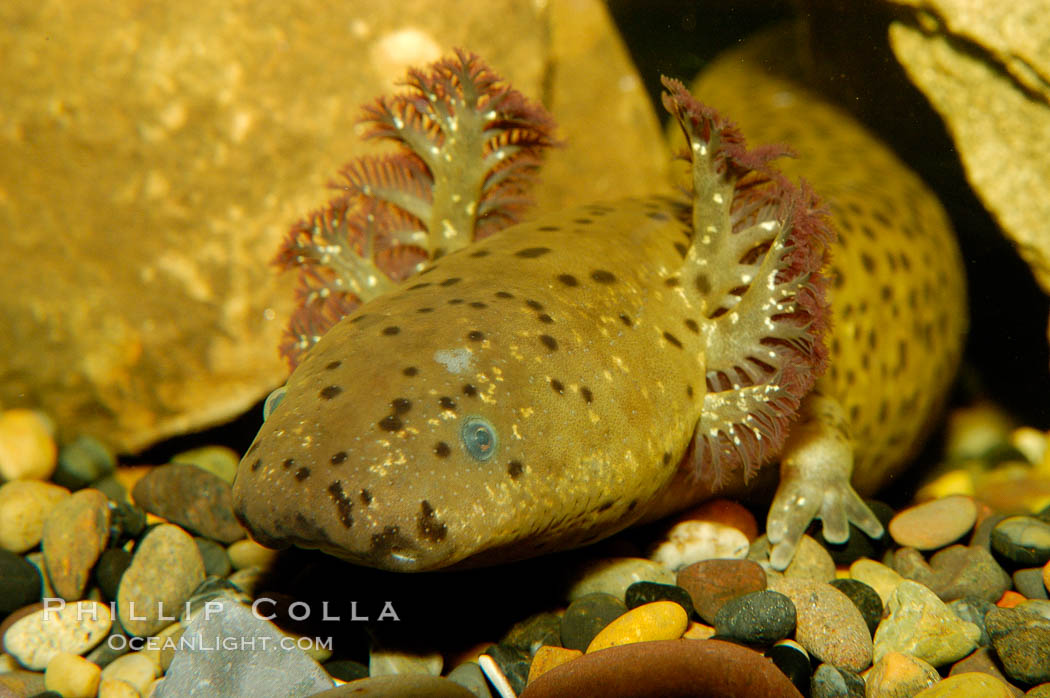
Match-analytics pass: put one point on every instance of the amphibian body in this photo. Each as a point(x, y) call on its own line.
point(563, 379)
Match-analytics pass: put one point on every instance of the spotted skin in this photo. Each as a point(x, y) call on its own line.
point(539, 389)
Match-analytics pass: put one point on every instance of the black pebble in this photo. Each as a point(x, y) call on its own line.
point(110, 568)
point(126, 521)
point(758, 618)
point(641, 593)
point(586, 616)
point(864, 598)
point(793, 663)
point(20, 582)
point(515, 665)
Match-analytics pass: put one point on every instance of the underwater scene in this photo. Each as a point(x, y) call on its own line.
point(553, 348)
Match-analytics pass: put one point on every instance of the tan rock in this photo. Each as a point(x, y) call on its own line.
point(24, 505)
point(150, 178)
point(27, 449)
point(72, 676)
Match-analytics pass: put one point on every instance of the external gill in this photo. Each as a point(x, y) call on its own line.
point(468, 147)
point(753, 273)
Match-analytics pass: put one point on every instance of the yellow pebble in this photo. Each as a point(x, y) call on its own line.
point(136, 669)
point(946, 484)
point(1032, 443)
point(970, 683)
point(72, 676)
point(698, 631)
point(660, 620)
point(548, 657)
point(247, 553)
point(115, 688)
point(27, 449)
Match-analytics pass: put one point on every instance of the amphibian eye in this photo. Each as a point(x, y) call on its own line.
point(479, 438)
point(273, 400)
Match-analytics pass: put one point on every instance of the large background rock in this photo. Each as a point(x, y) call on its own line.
point(153, 154)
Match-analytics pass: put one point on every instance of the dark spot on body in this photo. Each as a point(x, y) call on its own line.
point(514, 469)
point(549, 228)
point(469, 390)
point(603, 277)
point(366, 497)
point(582, 221)
point(672, 339)
point(475, 336)
point(391, 330)
point(451, 281)
point(447, 403)
point(477, 304)
point(568, 279)
point(418, 286)
point(692, 325)
point(658, 216)
point(455, 301)
point(681, 248)
point(430, 527)
point(442, 450)
point(389, 541)
point(390, 423)
point(256, 464)
point(533, 252)
point(625, 319)
point(410, 371)
point(338, 458)
point(359, 318)
point(545, 318)
point(632, 505)
point(302, 473)
point(550, 342)
point(288, 462)
point(671, 282)
point(535, 305)
point(401, 405)
point(558, 386)
point(887, 293)
point(330, 392)
point(689, 390)
point(868, 261)
point(343, 505)
point(702, 283)
point(504, 294)
point(605, 506)
point(332, 365)
point(480, 253)
point(424, 310)
point(587, 395)
point(666, 458)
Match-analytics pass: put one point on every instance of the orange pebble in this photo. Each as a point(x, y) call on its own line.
point(1046, 576)
point(548, 657)
point(1010, 599)
point(725, 511)
point(698, 631)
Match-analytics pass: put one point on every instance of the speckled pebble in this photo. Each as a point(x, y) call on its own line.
point(1024, 540)
point(641, 593)
point(864, 598)
point(513, 664)
point(830, 681)
point(586, 616)
point(1021, 639)
point(895, 675)
point(967, 686)
point(75, 534)
point(660, 620)
point(76, 627)
point(1030, 582)
point(829, 626)
point(72, 676)
point(811, 562)
point(192, 498)
point(165, 570)
point(961, 571)
point(1040, 691)
point(982, 660)
point(692, 541)
point(760, 618)
point(135, 668)
point(934, 524)
point(116, 688)
point(614, 575)
point(548, 657)
point(711, 583)
point(24, 505)
point(878, 576)
point(793, 661)
point(17, 684)
point(19, 583)
point(921, 625)
point(27, 448)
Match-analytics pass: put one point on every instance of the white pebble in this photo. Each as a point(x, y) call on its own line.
point(692, 541)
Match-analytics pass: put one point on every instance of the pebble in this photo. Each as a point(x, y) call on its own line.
point(535, 631)
point(247, 553)
point(135, 668)
point(665, 668)
point(1046, 576)
point(711, 583)
point(830, 681)
point(548, 657)
point(586, 616)
point(37, 637)
point(641, 593)
point(220, 461)
point(811, 562)
point(404, 686)
point(760, 618)
point(82, 461)
point(164, 572)
point(973, 610)
point(75, 534)
point(346, 669)
point(27, 448)
point(1030, 582)
point(725, 511)
point(16, 684)
point(614, 575)
point(20, 583)
point(982, 535)
point(512, 662)
point(864, 598)
point(691, 541)
point(469, 676)
point(935, 524)
point(967, 686)
point(793, 662)
point(1024, 540)
point(984, 661)
point(162, 652)
point(72, 676)
point(1021, 639)
point(878, 576)
point(921, 625)
point(193, 498)
point(828, 625)
point(110, 568)
point(960, 571)
point(116, 688)
point(660, 620)
point(896, 674)
point(264, 668)
point(383, 661)
point(126, 522)
point(24, 504)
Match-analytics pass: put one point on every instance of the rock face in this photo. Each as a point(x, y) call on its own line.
point(145, 182)
point(985, 69)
